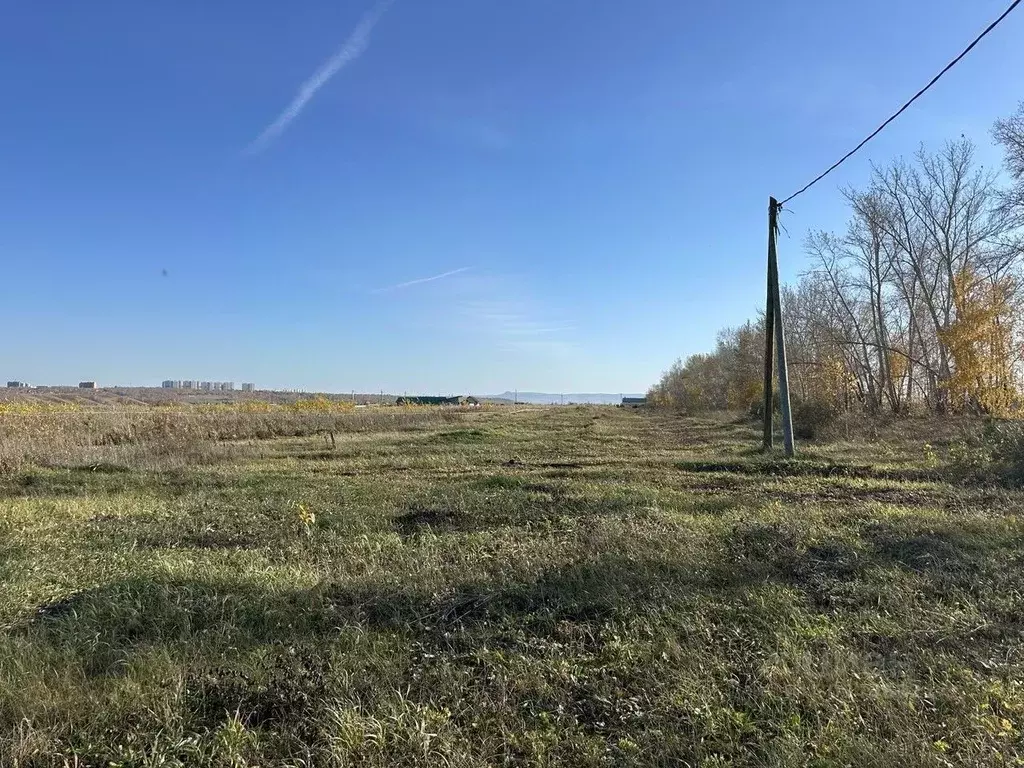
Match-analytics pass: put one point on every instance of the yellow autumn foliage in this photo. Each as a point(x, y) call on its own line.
point(980, 343)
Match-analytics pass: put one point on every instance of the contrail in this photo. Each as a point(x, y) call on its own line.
point(353, 48)
point(421, 280)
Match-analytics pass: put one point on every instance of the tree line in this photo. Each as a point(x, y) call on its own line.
point(918, 303)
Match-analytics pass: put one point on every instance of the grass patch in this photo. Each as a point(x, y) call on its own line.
point(598, 587)
point(460, 437)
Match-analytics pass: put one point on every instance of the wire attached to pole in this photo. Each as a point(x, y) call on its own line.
point(902, 109)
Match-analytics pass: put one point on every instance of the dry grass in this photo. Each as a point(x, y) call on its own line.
point(67, 435)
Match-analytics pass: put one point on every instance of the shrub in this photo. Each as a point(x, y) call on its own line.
point(811, 417)
point(756, 406)
point(1004, 441)
point(994, 454)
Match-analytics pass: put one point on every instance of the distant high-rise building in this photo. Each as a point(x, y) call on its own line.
point(17, 385)
point(209, 386)
point(248, 386)
point(87, 385)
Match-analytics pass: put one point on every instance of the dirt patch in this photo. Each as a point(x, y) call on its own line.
point(717, 485)
point(65, 606)
point(420, 519)
point(208, 539)
point(894, 495)
point(284, 687)
point(803, 469)
point(103, 467)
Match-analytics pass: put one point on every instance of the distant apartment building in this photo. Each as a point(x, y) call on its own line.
point(87, 385)
point(208, 386)
point(17, 385)
point(248, 386)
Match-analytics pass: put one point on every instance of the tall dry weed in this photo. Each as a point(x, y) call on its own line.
point(47, 435)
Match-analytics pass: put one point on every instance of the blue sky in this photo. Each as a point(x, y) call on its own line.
point(587, 179)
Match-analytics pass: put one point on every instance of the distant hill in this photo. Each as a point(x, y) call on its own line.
point(547, 398)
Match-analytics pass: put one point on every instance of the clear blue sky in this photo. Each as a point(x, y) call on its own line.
point(593, 174)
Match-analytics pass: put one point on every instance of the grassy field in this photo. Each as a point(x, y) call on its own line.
point(542, 587)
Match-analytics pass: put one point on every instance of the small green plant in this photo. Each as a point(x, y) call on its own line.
point(970, 455)
point(931, 458)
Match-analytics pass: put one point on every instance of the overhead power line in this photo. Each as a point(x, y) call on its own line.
point(914, 98)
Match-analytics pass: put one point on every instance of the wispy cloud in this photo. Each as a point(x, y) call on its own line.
point(511, 319)
point(420, 280)
point(352, 49)
point(516, 324)
point(499, 311)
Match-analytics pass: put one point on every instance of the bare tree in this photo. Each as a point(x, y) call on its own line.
point(889, 312)
point(1009, 133)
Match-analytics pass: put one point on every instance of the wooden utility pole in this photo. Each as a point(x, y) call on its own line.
point(774, 310)
point(769, 334)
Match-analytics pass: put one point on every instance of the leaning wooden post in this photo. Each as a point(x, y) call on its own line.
point(780, 331)
point(769, 332)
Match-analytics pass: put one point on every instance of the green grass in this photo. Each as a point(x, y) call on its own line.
point(542, 587)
